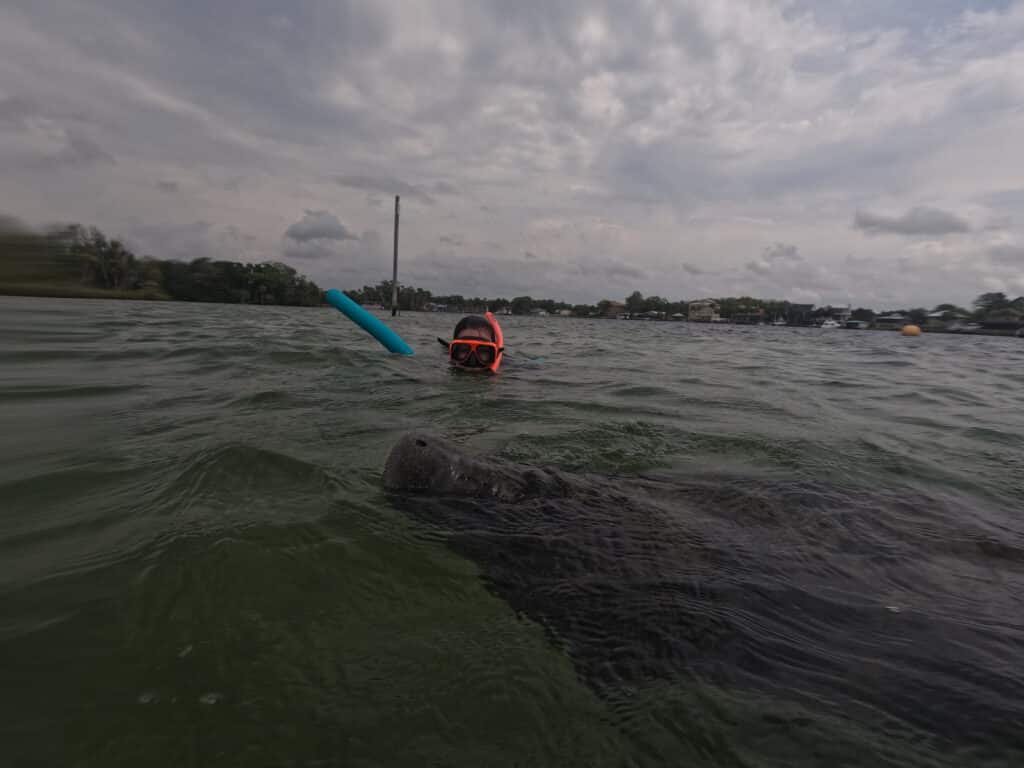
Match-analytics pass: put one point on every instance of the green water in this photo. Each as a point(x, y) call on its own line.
point(198, 565)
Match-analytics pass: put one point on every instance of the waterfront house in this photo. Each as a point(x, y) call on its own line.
point(614, 309)
point(945, 320)
point(749, 318)
point(704, 311)
point(891, 322)
point(800, 314)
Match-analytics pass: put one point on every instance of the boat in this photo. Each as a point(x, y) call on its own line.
point(778, 321)
point(829, 323)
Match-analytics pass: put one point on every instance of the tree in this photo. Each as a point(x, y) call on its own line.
point(989, 302)
point(635, 302)
point(521, 305)
point(918, 315)
point(865, 315)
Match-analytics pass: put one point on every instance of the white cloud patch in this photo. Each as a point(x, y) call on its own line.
point(318, 225)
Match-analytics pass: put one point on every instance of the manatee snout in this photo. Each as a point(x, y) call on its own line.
point(417, 462)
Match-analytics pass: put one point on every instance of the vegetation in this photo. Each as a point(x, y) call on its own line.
point(76, 261)
point(73, 260)
point(990, 309)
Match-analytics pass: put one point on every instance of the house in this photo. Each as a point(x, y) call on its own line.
point(703, 311)
point(945, 320)
point(614, 309)
point(800, 314)
point(749, 318)
point(841, 314)
point(891, 322)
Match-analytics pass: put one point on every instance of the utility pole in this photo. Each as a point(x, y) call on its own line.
point(394, 277)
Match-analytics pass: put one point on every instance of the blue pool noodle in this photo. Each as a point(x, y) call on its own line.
point(372, 325)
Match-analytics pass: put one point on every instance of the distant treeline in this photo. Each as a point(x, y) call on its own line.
point(988, 306)
point(77, 261)
point(73, 260)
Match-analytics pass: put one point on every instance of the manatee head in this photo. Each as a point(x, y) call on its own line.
point(419, 462)
point(424, 463)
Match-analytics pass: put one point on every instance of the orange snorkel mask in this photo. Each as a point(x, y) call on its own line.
point(477, 344)
point(473, 353)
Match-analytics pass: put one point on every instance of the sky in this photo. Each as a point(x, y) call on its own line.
point(837, 151)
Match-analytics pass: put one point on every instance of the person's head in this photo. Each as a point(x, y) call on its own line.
point(473, 327)
point(478, 348)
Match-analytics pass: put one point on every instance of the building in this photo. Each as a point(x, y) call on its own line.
point(703, 311)
point(749, 318)
point(614, 309)
point(800, 314)
point(841, 314)
point(891, 322)
point(946, 320)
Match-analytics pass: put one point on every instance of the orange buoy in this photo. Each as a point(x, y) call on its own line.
point(911, 330)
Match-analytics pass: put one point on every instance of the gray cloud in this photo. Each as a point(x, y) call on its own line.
point(782, 252)
point(778, 257)
point(80, 152)
point(168, 187)
point(385, 185)
point(318, 225)
point(455, 240)
point(692, 269)
point(929, 222)
point(624, 270)
point(1007, 254)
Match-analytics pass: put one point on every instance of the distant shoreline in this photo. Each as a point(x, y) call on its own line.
point(59, 291)
point(72, 291)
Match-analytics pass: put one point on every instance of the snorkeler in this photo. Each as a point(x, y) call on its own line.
point(477, 343)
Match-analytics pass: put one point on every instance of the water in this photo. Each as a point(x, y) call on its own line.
point(810, 552)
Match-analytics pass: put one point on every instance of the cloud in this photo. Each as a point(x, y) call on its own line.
point(629, 129)
point(386, 186)
point(455, 240)
point(782, 252)
point(928, 222)
point(168, 187)
point(80, 152)
point(776, 258)
point(345, 263)
point(318, 225)
point(619, 269)
point(1007, 254)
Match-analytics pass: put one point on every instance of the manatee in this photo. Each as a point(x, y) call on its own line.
point(746, 584)
point(420, 463)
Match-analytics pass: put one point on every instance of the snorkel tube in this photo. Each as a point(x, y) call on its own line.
point(369, 323)
point(499, 339)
